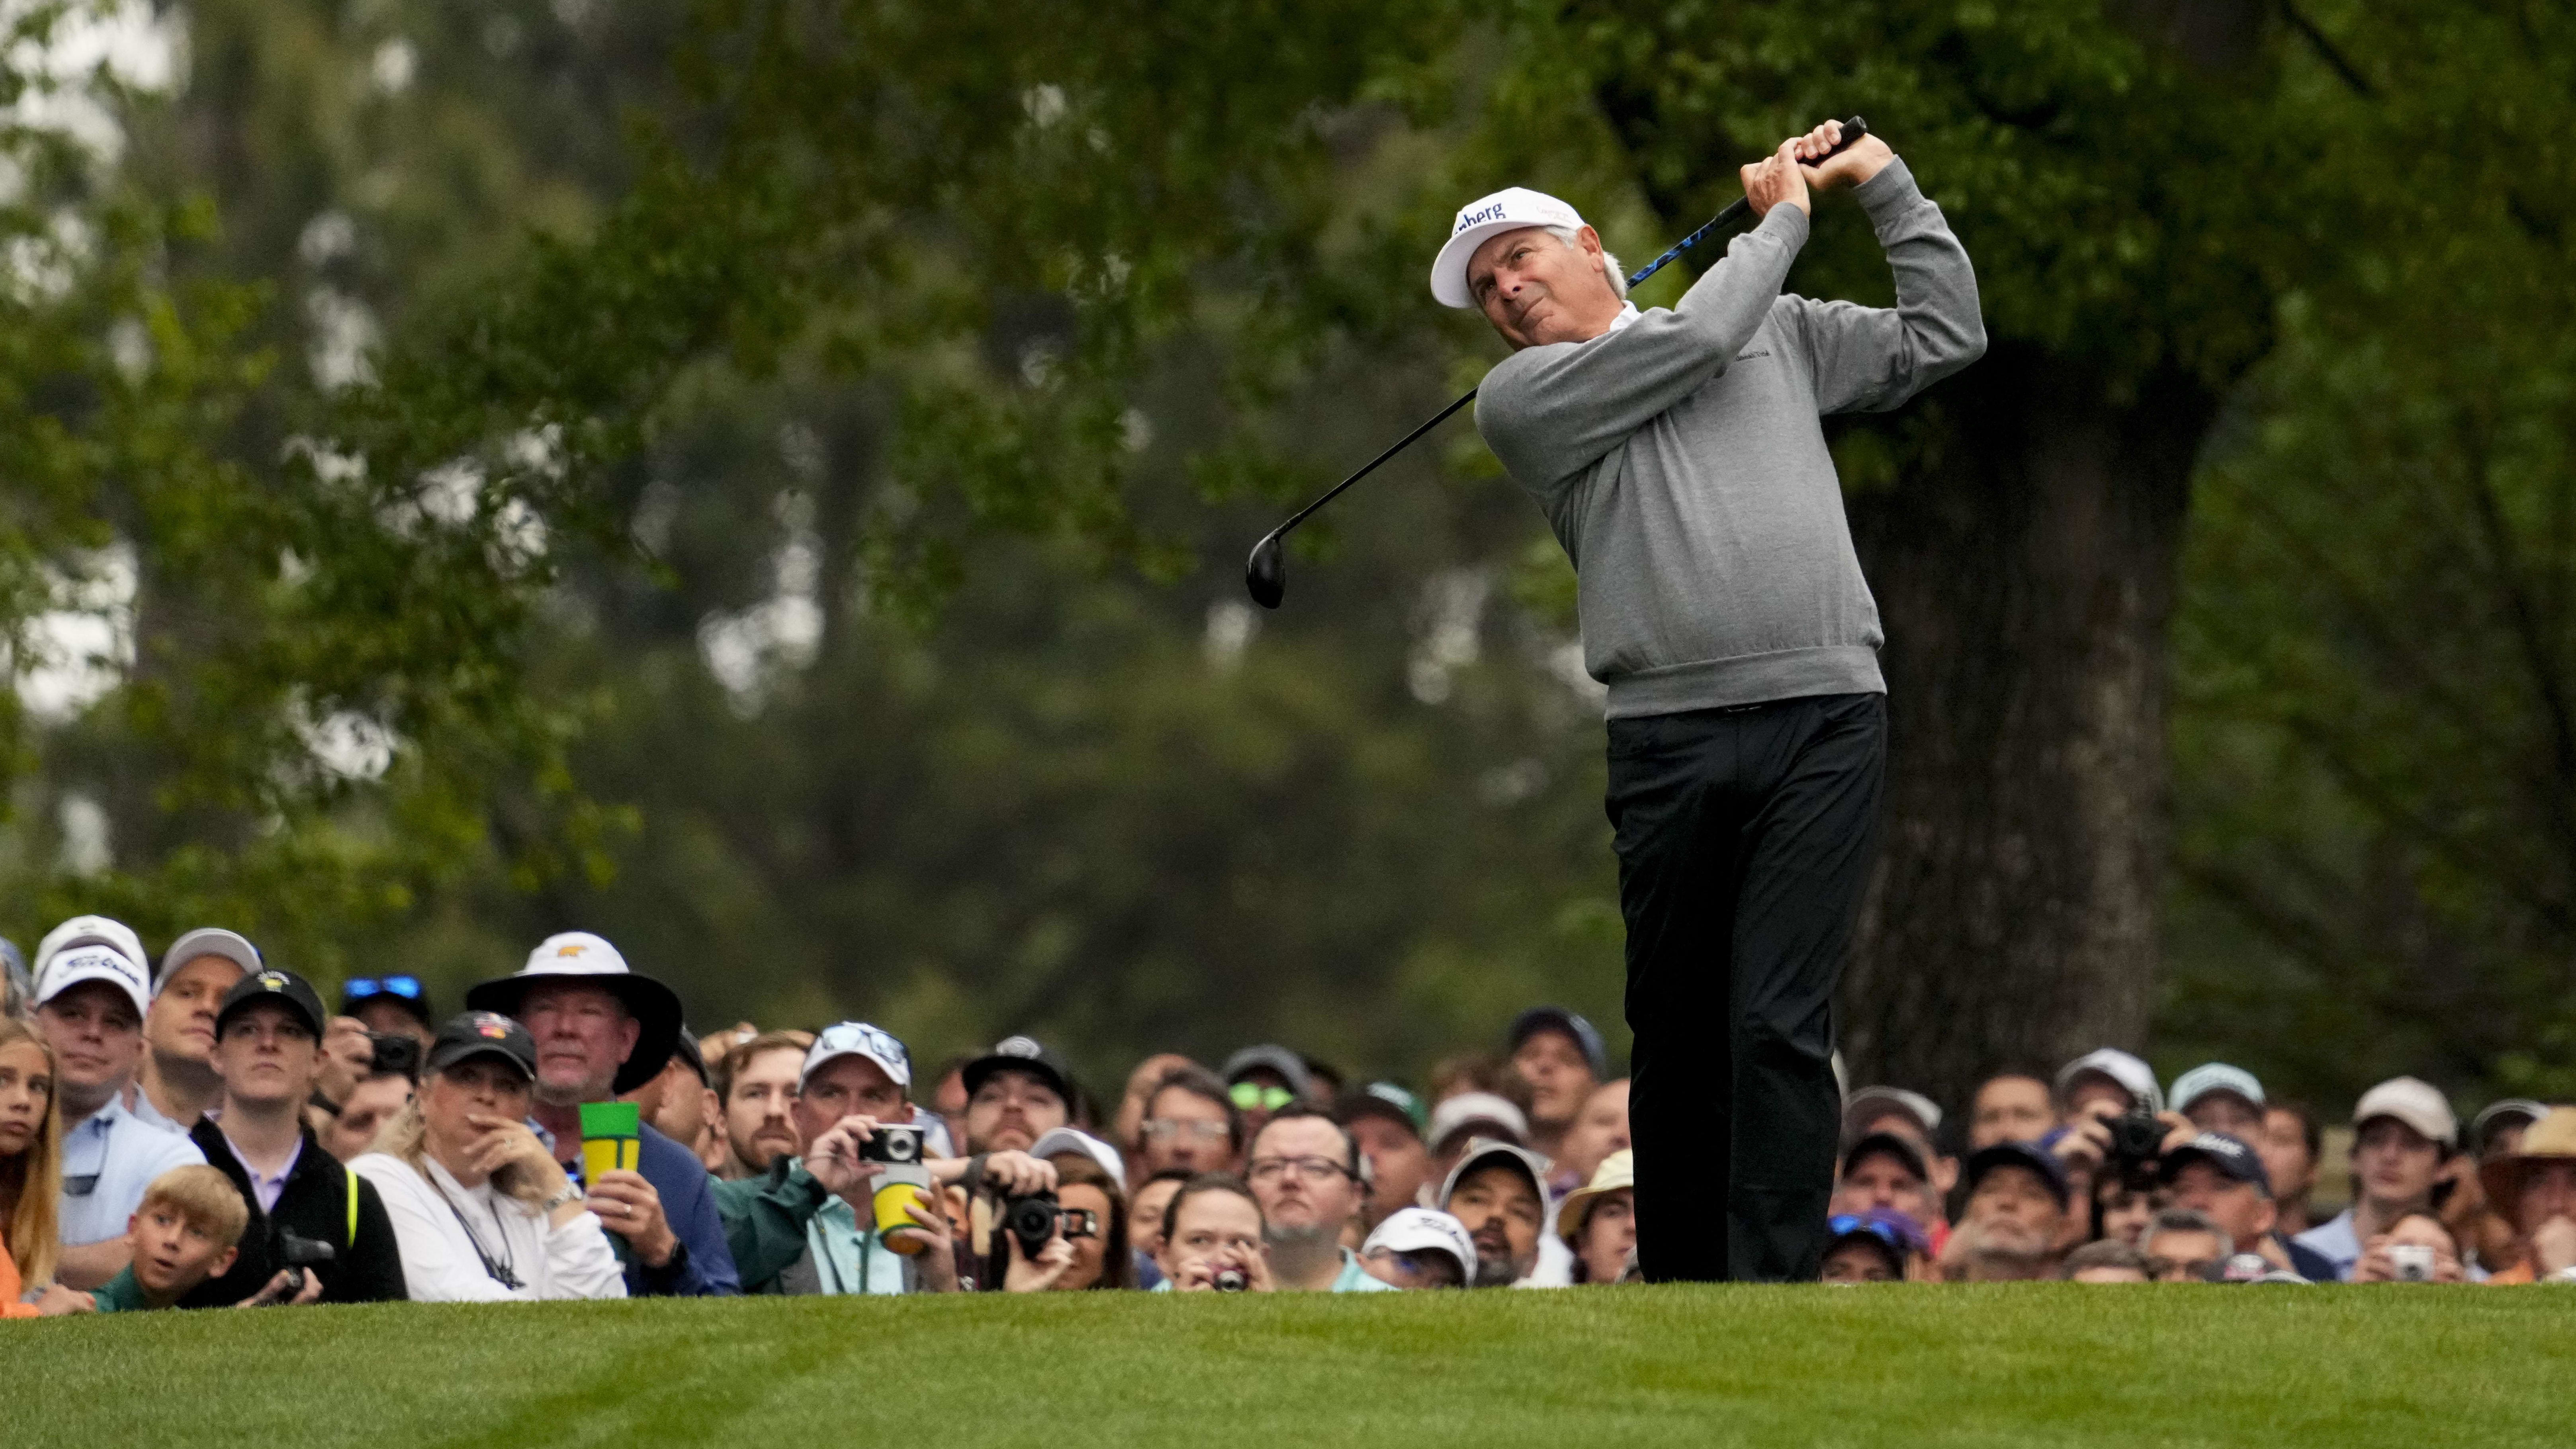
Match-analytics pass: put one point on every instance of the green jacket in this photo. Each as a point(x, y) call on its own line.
point(121, 1294)
point(765, 1219)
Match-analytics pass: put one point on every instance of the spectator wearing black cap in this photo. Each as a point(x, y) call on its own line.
point(1498, 1191)
point(1560, 1055)
point(600, 1030)
point(2221, 1178)
point(378, 1100)
point(2014, 1227)
point(482, 1210)
point(268, 1048)
point(1387, 1121)
point(680, 1103)
point(396, 1005)
point(178, 1082)
point(1015, 1094)
point(1263, 1079)
point(1885, 1172)
point(1188, 1125)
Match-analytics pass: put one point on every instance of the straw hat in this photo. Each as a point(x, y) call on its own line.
point(2551, 1139)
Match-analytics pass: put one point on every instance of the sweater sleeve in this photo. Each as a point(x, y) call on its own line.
point(1871, 359)
point(438, 1264)
point(1549, 412)
point(765, 1218)
point(579, 1261)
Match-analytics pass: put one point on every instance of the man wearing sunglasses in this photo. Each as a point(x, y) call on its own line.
point(1306, 1173)
point(391, 1005)
point(1263, 1079)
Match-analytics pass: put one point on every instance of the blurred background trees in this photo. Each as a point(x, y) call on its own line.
point(768, 482)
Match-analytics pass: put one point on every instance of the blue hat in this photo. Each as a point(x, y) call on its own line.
point(2234, 1160)
point(1556, 1018)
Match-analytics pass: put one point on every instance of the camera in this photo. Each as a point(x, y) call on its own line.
point(900, 1146)
point(295, 1253)
point(2137, 1143)
point(1230, 1280)
point(2410, 1263)
point(1030, 1219)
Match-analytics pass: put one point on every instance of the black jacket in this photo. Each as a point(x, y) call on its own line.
point(366, 1266)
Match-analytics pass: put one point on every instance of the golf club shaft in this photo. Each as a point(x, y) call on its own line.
point(1853, 130)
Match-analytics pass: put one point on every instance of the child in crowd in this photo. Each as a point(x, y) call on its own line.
point(187, 1230)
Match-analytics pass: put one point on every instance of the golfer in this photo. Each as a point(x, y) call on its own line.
point(1680, 461)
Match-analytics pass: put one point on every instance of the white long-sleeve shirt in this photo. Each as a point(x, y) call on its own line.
point(433, 1215)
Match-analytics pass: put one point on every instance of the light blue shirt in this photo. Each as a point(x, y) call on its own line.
point(108, 1161)
point(846, 1259)
point(1356, 1279)
point(2334, 1241)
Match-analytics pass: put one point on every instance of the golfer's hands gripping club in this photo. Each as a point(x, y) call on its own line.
point(1811, 162)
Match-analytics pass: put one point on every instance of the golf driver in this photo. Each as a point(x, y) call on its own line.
point(1265, 574)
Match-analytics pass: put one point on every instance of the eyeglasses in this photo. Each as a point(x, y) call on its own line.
point(1312, 1169)
point(406, 987)
point(1164, 1129)
point(1254, 1097)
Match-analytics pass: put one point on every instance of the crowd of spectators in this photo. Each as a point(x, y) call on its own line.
point(202, 1131)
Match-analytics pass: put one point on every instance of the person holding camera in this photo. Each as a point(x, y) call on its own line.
point(851, 1210)
point(2417, 1249)
point(307, 1213)
point(1091, 1217)
point(1212, 1239)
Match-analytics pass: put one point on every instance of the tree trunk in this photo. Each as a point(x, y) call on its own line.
point(2025, 568)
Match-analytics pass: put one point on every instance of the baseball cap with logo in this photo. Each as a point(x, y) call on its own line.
point(206, 941)
point(88, 931)
point(2419, 1104)
point(97, 961)
point(1074, 1139)
point(470, 1034)
point(1421, 1229)
point(857, 1039)
point(1509, 209)
point(580, 957)
point(2210, 1077)
point(273, 984)
point(2233, 1159)
point(1019, 1054)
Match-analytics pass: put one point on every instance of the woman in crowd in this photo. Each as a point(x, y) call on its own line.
point(1100, 1256)
point(481, 1209)
point(1212, 1239)
point(1599, 1219)
point(31, 1176)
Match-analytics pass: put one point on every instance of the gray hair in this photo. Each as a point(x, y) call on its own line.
point(1609, 264)
point(2184, 1220)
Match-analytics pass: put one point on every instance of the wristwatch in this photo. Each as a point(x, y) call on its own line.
point(572, 1193)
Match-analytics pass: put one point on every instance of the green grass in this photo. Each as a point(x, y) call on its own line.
point(1912, 1367)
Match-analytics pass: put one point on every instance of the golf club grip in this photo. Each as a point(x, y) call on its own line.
point(1853, 129)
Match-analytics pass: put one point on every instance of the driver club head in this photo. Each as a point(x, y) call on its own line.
point(1265, 574)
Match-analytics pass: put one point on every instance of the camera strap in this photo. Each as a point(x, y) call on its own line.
point(501, 1270)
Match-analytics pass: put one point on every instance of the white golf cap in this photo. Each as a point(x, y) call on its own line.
point(2122, 1070)
point(87, 931)
point(2210, 1077)
point(857, 1039)
point(1072, 1139)
point(1419, 1229)
point(1509, 209)
point(1473, 1109)
point(2419, 1104)
point(95, 962)
point(207, 941)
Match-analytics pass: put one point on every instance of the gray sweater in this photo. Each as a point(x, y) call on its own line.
point(1681, 463)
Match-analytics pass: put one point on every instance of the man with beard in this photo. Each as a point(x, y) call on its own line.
point(2015, 1226)
point(1305, 1172)
point(1498, 1192)
point(1015, 1094)
point(756, 1083)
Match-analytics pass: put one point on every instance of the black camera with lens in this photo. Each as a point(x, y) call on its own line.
point(897, 1145)
point(295, 1253)
point(1031, 1219)
point(2137, 1146)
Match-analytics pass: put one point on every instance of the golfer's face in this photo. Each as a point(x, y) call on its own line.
point(1524, 279)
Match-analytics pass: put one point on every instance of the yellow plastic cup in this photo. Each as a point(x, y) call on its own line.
point(611, 1138)
point(898, 1190)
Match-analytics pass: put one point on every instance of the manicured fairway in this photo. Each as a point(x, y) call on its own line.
point(1906, 1367)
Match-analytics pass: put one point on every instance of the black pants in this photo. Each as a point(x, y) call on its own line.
point(1744, 839)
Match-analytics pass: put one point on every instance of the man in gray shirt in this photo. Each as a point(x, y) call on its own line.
point(1680, 461)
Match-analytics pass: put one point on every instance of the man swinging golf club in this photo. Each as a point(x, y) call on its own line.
point(1679, 459)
